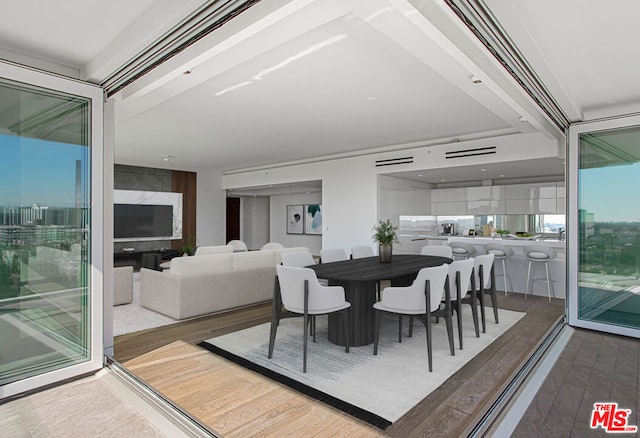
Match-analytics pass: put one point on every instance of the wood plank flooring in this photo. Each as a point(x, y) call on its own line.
point(449, 411)
point(236, 402)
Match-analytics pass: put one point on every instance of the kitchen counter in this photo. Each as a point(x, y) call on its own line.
point(519, 263)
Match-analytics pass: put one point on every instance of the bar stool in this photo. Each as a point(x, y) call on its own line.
point(538, 254)
point(501, 253)
point(461, 250)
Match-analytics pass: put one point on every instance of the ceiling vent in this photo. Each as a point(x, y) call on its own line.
point(463, 153)
point(394, 161)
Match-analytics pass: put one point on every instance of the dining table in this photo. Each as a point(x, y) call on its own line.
point(360, 279)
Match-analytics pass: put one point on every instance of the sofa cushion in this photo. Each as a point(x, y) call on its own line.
point(206, 264)
point(243, 261)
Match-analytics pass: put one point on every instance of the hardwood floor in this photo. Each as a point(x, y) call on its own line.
point(449, 411)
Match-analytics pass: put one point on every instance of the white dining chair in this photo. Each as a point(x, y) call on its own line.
point(360, 252)
point(271, 245)
point(460, 273)
point(421, 300)
point(238, 245)
point(301, 294)
point(484, 280)
point(333, 255)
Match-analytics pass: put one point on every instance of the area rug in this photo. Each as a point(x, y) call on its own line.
point(377, 389)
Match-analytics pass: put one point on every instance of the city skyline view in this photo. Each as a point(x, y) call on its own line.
point(49, 179)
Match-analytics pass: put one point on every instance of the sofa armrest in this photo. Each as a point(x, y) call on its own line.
point(159, 292)
point(122, 285)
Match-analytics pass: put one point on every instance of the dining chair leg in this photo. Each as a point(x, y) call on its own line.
point(427, 324)
point(306, 326)
point(410, 325)
point(449, 322)
point(377, 332)
point(399, 328)
point(457, 309)
point(275, 316)
point(474, 314)
point(304, 342)
point(345, 326)
point(482, 312)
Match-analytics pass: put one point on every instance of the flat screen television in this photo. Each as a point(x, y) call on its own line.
point(142, 221)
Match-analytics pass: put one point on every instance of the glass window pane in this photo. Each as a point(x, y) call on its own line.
point(609, 227)
point(44, 231)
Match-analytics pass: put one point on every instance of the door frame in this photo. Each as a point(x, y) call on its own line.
point(575, 130)
point(30, 76)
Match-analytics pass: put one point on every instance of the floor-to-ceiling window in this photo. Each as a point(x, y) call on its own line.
point(50, 298)
point(605, 226)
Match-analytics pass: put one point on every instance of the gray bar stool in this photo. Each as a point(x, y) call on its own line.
point(538, 254)
point(461, 250)
point(501, 253)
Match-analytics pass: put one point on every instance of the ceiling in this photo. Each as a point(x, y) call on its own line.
point(296, 79)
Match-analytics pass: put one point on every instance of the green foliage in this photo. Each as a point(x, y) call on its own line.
point(501, 232)
point(385, 233)
point(189, 244)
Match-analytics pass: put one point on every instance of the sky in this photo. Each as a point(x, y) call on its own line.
point(36, 171)
point(611, 193)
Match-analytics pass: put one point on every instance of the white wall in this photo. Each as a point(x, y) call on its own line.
point(278, 227)
point(349, 185)
point(254, 221)
point(211, 208)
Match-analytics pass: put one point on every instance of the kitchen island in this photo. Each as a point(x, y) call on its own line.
point(519, 263)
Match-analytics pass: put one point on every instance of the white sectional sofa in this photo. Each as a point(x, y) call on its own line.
point(204, 284)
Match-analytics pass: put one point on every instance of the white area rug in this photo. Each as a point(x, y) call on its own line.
point(387, 385)
point(132, 317)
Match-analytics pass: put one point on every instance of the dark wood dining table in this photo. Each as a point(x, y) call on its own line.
point(359, 278)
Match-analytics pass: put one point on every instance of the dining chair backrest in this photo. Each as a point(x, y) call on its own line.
point(272, 245)
point(483, 263)
point(413, 297)
point(360, 252)
point(292, 280)
point(333, 255)
point(238, 245)
point(298, 259)
point(460, 270)
point(437, 250)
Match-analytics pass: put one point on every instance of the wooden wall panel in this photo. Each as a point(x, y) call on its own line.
point(185, 183)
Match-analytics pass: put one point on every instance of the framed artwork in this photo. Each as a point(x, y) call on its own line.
point(313, 219)
point(295, 219)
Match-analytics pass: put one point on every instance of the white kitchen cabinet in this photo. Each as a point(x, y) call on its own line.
point(544, 206)
point(486, 193)
point(449, 208)
point(486, 207)
point(519, 206)
point(449, 195)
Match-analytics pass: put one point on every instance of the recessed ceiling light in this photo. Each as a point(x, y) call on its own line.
point(476, 80)
point(443, 180)
point(523, 119)
point(483, 170)
point(501, 176)
point(186, 72)
point(420, 176)
point(372, 98)
point(167, 157)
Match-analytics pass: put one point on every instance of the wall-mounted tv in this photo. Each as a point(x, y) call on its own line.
point(140, 215)
point(139, 220)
